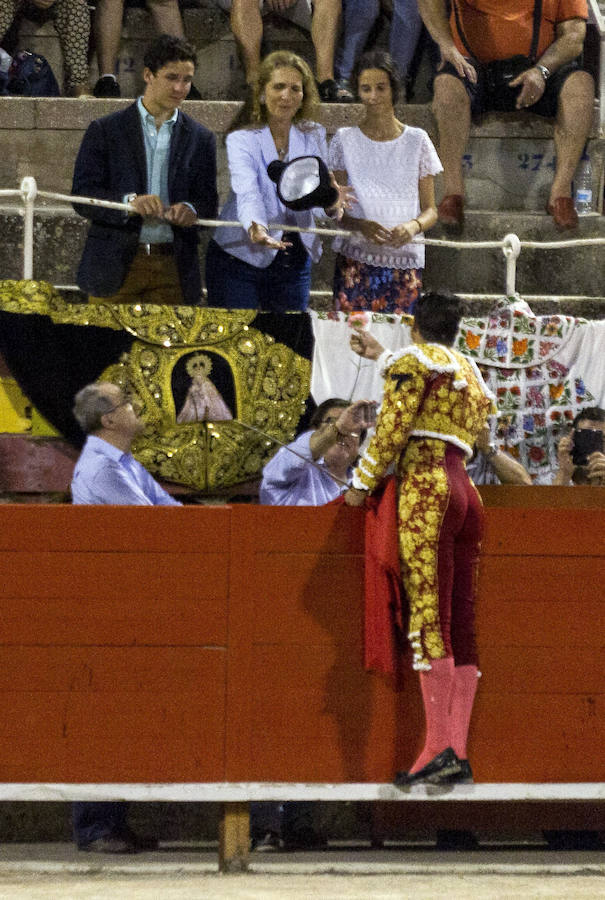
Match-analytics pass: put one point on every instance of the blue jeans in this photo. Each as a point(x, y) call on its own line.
point(281, 287)
point(358, 19)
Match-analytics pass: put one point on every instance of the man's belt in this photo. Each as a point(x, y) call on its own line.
point(166, 249)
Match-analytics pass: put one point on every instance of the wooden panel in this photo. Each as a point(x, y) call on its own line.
point(159, 529)
point(97, 575)
point(539, 532)
point(538, 738)
point(158, 717)
point(114, 619)
point(323, 719)
point(543, 496)
point(543, 579)
point(560, 624)
point(293, 604)
point(225, 644)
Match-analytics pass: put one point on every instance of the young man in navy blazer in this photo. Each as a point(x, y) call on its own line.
point(163, 163)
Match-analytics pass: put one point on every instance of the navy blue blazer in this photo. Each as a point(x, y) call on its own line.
point(110, 164)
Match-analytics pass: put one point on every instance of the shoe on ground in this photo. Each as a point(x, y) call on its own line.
point(331, 91)
point(107, 87)
point(451, 211)
point(269, 843)
point(304, 839)
point(455, 839)
point(194, 94)
point(563, 213)
point(140, 842)
point(436, 771)
point(109, 844)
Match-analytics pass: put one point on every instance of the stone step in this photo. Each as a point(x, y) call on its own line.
point(578, 270)
point(509, 163)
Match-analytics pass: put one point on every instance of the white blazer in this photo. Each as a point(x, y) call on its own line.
point(253, 196)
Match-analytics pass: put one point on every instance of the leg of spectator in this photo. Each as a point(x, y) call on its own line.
point(358, 17)
point(324, 33)
point(451, 106)
point(166, 17)
point(108, 31)
point(72, 22)
point(405, 33)
point(572, 127)
point(247, 28)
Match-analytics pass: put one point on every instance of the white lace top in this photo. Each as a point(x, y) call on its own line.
point(384, 175)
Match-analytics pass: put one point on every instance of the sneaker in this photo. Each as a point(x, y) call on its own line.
point(346, 94)
point(107, 87)
point(331, 92)
point(270, 843)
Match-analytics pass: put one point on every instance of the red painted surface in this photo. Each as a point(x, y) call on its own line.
point(213, 644)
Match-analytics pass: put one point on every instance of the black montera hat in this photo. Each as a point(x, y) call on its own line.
point(303, 183)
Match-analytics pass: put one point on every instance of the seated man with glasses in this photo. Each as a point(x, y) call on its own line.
point(316, 467)
point(107, 473)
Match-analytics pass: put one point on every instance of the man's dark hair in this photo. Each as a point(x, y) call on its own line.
point(167, 49)
point(437, 317)
point(378, 59)
point(317, 418)
point(591, 413)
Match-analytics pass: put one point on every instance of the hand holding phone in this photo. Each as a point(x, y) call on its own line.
point(585, 442)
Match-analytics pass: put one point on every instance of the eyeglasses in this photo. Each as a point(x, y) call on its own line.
point(127, 401)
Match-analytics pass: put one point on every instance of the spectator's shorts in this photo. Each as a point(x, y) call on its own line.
point(300, 13)
point(484, 99)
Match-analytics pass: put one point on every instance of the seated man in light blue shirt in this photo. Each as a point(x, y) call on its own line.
point(311, 471)
point(315, 468)
point(107, 473)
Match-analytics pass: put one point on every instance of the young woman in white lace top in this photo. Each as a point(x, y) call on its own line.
point(391, 167)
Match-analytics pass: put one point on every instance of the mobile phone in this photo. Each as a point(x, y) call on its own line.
point(585, 442)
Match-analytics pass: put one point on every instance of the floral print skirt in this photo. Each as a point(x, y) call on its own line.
point(358, 285)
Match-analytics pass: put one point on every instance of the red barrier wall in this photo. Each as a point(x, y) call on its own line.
point(224, 644)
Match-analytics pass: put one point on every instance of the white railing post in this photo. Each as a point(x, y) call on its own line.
point(511, 250)
point(29, 191)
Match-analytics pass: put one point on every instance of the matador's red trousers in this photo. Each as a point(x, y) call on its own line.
point(440, 528)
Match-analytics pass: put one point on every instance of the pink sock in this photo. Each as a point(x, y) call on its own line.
point(436, 686)
point(463, 696)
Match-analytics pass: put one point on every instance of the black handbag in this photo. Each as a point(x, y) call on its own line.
point(498, 74)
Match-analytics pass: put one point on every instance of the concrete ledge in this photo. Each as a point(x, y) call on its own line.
point(243, 792)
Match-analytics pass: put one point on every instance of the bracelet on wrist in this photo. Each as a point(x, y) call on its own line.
point(418, 223)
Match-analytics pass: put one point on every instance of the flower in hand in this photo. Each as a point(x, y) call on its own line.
point(365, 345)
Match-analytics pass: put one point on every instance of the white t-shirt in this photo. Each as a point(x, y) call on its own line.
point(384, 176)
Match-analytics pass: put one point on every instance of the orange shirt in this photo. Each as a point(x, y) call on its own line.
point(497, 29)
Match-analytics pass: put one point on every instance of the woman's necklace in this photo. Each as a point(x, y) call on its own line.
point(281, 143)
point(379, 132)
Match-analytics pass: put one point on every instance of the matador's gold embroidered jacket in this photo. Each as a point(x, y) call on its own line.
point(429, 391)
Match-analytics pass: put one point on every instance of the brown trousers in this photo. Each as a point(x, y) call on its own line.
point(151, 279)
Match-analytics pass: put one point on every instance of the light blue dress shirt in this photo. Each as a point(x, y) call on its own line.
point(157, 151)
point(253, 196)
point(106, 475)
point(289, 480)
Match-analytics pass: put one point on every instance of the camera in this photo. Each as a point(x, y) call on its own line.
point(585, 442)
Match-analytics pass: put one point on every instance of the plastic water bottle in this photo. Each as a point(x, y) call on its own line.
point(583, 186)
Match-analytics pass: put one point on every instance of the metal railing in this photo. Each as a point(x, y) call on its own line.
point(511, 245)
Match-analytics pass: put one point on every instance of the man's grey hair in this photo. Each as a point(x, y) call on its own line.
point(90, 404)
